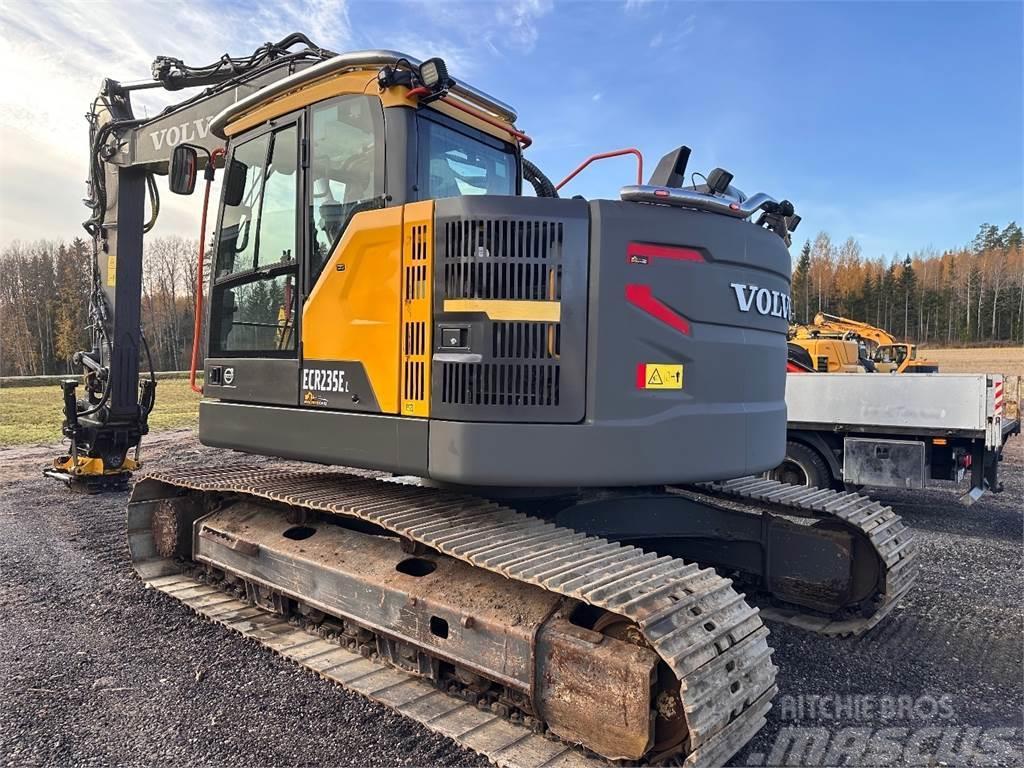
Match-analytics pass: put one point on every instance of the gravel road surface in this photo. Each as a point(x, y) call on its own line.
point(97, 670)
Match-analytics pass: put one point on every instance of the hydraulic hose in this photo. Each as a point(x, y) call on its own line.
point(541, 184)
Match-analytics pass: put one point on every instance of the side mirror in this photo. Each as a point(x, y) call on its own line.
point(184, 165)
point(234, 183)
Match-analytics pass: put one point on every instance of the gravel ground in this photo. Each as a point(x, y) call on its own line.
point(97, 670)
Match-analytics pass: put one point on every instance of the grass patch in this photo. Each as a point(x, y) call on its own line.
point(32, 415)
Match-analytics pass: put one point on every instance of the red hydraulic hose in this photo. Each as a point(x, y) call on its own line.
point(198, 325)
point(602, 156)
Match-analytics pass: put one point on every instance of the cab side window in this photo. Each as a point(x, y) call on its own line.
point(236, 249)
point(252, 310)
point(346, 168)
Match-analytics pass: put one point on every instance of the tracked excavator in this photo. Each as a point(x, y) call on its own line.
point(882, 352)
point(829, 352)
point(538, 420)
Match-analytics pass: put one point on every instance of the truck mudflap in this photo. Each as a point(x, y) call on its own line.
point(696, 654)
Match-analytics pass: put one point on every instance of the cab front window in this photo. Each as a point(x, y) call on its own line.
point(456, 160)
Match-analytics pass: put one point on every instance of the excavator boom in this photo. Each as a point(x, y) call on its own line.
point(868, 332)
point(107, 424)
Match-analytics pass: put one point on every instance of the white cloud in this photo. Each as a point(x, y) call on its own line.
point(520, 22)
point(689, 25)
point(676, 39)
point(460, 59)
point(54, 55)
point(635, 5)
point(596, 97)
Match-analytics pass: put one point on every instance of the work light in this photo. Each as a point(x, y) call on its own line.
point(434, 74)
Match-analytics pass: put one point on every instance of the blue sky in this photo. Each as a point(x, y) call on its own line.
point(897, 123)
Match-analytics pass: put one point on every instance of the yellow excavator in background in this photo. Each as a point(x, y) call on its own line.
point(887, 354)
point(831, 353)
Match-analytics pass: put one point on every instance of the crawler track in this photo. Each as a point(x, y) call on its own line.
point(507, 744)
point(704, 631)
point(889, 537)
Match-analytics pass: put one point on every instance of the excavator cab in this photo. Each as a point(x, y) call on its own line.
point(379, 274)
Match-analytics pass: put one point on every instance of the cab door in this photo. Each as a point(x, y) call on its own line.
point(254, 325)
point(351, 314)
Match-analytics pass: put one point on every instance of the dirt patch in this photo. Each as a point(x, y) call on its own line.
point(95, 669)
point(1008, 361)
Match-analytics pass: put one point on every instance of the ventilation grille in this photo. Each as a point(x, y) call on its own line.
point(512, 274)
point(526, 341)
point(414, 350)
point(501, 259)
point(500, 384)
point(415, 321)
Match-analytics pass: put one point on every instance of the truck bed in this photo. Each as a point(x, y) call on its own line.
point(921, 404)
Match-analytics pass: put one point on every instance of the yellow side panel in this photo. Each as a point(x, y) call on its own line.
point(354, 311)
point(417, 266)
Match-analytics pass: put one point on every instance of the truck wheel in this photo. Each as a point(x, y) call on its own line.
point(802, 466)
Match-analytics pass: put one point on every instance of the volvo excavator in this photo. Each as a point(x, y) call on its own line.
point(530, 426)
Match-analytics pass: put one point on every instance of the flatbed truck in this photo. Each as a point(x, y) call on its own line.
point(849, 430)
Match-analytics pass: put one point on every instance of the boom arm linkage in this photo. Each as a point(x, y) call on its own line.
point(884, 348)
point(865, 331)
point(125, 153)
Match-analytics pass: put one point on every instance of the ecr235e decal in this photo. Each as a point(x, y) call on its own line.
point(342, 385)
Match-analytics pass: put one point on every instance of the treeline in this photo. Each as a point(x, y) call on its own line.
point(970, 295)
point(44, 304)
point(974, 294)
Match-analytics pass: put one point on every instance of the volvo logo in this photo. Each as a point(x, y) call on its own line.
point(172, 136)
point(763, 300)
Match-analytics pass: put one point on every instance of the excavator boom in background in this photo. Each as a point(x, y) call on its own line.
point(885, 353)
point(550, 414)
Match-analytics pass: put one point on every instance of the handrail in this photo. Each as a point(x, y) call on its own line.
point(691, 198)
point(198, 321)
point(524, 140)
point(603, 156)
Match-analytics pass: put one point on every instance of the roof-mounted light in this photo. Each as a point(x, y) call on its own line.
point(434, 75)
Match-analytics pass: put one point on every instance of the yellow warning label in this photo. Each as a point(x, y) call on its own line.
point(660, 376)
point(111, 270)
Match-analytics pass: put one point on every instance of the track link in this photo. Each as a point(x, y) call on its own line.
point(890, 538)
point(507, 744)
point(712, 640)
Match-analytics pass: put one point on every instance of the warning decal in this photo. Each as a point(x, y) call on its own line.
point(659, 376)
